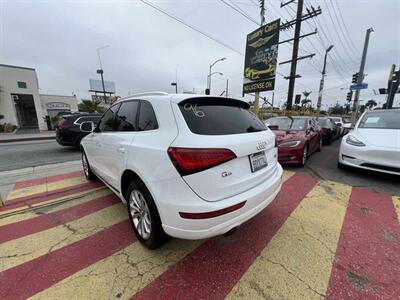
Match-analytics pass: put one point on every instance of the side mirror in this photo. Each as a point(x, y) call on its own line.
point(87, 126)
point(273, 127)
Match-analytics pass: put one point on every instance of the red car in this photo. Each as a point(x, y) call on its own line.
point(296, 137)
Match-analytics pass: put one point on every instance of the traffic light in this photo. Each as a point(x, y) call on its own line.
point(394, 75)
point(355, 78)
point(349, 96)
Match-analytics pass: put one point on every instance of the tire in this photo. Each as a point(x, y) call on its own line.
point(86, 168)
point(144, 216)
point(304, 156)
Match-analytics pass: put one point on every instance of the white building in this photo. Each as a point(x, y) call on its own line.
point(20, 101)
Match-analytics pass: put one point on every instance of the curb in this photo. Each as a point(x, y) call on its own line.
point(38, 169)
point(28, 139)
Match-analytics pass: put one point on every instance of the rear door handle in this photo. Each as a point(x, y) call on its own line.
point(121, 149)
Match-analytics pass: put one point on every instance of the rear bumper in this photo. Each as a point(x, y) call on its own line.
point(256, 200)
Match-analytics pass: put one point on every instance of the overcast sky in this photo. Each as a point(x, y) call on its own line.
point(59, 39)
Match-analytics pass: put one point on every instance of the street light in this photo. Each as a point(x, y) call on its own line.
point(100, 71)
point(176, 86)
point(321, 84)
point(209, 74)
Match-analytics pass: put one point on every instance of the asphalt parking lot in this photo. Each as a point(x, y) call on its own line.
point(329, 234)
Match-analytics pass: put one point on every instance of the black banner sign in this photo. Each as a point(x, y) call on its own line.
point(261, 58)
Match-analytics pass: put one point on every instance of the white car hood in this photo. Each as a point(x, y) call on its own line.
point(386, 138)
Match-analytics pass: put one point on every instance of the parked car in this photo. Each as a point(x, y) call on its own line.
point(330, 131)
point(68, 131)
point(339, 122)
point(188, 166)
point(374, 143)
point(297, 138)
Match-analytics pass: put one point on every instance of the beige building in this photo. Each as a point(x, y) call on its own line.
point(20, 101)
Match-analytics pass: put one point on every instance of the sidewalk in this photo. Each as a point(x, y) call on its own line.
point(12, 137)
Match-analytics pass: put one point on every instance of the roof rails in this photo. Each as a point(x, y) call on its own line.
point(150, 94)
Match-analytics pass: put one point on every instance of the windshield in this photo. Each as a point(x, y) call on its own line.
point(381, 120)
point(288, 124)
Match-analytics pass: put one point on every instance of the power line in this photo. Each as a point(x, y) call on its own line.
point(343, 34)
point(346, 30)
point(190, 26)
point(240, 11)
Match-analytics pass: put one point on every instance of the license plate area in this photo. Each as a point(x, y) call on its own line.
point(258, 161)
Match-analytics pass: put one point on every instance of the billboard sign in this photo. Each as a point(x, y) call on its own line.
point(97, 87)
point(261, 58)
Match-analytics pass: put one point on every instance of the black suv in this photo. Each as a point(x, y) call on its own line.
point(68, 132)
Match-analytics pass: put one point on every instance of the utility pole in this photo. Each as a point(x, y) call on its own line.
point(321, 84)
point(256, 102)
point(393, 84)
point(227, 86)
point(360, 76)
point(294, 54)
point(296, 40)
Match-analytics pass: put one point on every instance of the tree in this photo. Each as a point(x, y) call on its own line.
point(371, 104)
point(91, 106)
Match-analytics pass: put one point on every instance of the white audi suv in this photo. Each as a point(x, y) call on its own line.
point(188, 166)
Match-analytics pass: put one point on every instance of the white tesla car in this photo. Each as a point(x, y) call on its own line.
point(374, 143)
point(189, 166)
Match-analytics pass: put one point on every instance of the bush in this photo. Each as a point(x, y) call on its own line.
point(8, 127)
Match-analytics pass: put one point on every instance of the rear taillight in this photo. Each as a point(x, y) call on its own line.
point(62, 125)
point(191, 160)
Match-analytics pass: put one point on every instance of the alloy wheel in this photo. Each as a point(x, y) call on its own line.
point(140, 214)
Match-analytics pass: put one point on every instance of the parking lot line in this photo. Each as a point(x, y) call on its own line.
point(47, 221)
point(212, 269)
point(57, 237)
point(367, 262)
point(51, 207)
point(297, 263)
point(38, 274)
point(122, 274)
point(47, 179)
point(396, 203)
point(52, 198)
point(44, 189)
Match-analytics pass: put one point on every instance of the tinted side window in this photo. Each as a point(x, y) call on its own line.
point(109, 120)
point(147, 117)
point(127, 116)
point(93, 119)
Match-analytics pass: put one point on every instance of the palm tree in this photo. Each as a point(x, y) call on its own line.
point(370, 104)
point(91, 106)
point(305, 101)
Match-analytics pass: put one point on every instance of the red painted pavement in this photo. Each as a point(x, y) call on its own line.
point(41, 273)
point(36, 181)
point(46, 196)
point(46, 221)
point(211, 271)
point(367, 262)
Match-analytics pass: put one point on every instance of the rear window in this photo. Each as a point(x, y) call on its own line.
point(216, 116)
point(324, 122)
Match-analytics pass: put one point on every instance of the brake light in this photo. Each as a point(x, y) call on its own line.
point(62, 125)
point(192, 160)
